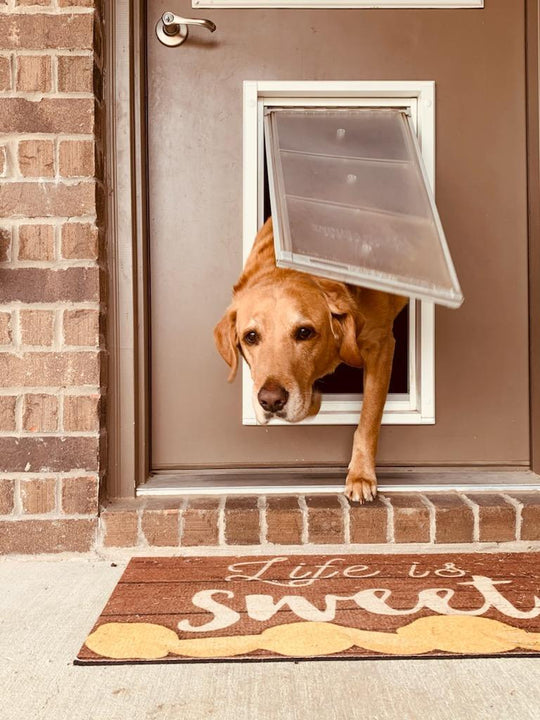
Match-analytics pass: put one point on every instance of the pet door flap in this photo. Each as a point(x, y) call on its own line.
point(351, 201)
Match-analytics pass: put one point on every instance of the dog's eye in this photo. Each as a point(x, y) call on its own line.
point(304, 333)
point(251, 337)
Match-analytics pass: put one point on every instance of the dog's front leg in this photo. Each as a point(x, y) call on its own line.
point(361, 482)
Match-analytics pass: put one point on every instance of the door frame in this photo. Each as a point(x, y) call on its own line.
point(532, 70)
point(128, 397)
point(128, 436)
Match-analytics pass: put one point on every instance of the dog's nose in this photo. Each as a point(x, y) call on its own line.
point(272, 397)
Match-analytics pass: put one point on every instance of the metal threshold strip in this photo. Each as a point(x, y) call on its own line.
point(331, 480)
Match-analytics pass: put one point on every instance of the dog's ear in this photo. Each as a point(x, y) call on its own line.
point(341, 306)
point(260, 258)
point(227, 341)
point(348, 348)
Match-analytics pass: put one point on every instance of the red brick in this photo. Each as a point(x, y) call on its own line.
point(36, 327)
point(30, 285)
point(497, 517)
point(76, 3)
point(46, 31)
point(156, 504)
point(36, 242)
point(38, 496)
point(325, 519)
point(56, 369)
point(44, 3)
point(48, 454)
point(79, 241)
point(120, 527)
point(368, 522)
point(5, 328)
point(77, 158)
point(81, 327)
point(41, 199)
point(81, 413)
point(284, 520)
point(80, 495)
point(161, 527)
point(5, 73)
point(242, 525)
point(5, 244)
point(200, 522)
point(36, 158)
point(47, 536)
point(40, 413)
point(34, 73)
point(7, 490)
point(411, 518)
point(7, 412)
point(46, 115)
point(454, 519)
point(75, 73)
point(530, 514)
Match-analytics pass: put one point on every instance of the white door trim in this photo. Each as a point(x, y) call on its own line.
point(418, 406)
point(378, 4)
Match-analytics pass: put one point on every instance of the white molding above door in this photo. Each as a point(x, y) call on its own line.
point(343, 4)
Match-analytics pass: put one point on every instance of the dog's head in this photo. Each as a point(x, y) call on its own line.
point(291, 332)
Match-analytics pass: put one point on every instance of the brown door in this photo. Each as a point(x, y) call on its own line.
point(476, 58)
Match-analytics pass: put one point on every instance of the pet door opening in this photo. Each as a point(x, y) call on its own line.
point(347, 380)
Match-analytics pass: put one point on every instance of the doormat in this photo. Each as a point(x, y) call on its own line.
point(180, 609)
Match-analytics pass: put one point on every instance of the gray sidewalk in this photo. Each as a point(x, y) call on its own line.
point(47, 608)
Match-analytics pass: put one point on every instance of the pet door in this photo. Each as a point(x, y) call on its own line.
point(351, 201)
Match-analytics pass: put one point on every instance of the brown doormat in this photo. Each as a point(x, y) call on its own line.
point(178, 609)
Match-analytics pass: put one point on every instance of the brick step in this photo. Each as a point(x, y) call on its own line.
point(394, 518)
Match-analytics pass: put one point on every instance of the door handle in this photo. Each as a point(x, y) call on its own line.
point(173, 30)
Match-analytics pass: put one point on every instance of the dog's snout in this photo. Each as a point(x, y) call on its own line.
point(272, 397)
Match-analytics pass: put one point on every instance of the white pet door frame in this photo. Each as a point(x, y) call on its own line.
point(417, 407)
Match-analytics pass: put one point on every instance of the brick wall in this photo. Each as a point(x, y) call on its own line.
point(51, 285)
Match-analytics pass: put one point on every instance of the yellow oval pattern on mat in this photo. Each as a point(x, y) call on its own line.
point(464, 635)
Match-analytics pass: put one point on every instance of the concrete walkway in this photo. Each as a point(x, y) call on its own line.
point(48, 607)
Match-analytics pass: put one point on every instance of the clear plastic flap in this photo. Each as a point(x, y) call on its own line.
point(351, 201)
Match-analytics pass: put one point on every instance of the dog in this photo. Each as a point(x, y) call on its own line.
point(292, 329)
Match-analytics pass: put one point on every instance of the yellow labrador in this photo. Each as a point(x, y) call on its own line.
point(292, 329)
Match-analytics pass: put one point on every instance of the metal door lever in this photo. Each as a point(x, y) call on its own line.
point(172, 30)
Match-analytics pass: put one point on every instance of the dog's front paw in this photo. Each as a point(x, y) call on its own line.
point(360, 488)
